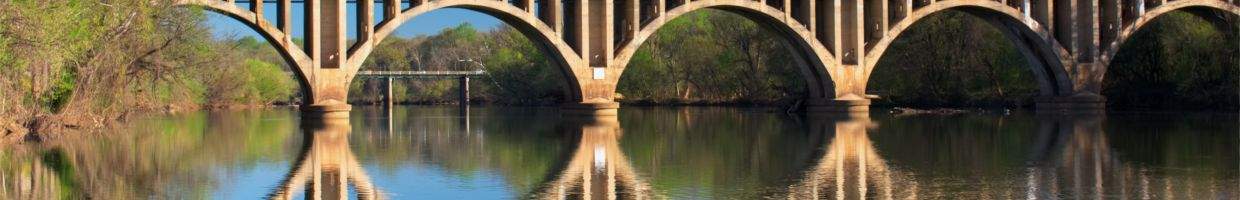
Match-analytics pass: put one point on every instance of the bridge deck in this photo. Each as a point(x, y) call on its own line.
point(419, 74)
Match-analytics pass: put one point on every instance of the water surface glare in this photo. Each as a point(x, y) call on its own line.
point(662, 153)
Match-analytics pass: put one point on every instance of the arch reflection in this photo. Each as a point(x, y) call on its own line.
point(1067, 157)
point(1083, 163)
point(326, 167)
point(597, 169)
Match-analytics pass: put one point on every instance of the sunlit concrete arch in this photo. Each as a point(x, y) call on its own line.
point(282, 40)
point(1199, 7)
point(1048, 59)
point(820, 67)
point(547, 39)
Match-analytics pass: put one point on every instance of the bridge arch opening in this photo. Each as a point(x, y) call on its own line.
point(517, 70)
point(958, 57)
point(818, 68)
point(1044, 56)
point(530, 31)
point(1180, 59)
point(518, 27)
point(709, 56)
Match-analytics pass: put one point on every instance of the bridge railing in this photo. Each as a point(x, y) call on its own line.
point(420, 74)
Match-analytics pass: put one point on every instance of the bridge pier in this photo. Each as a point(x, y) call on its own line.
point(590, 109)
point(327, 96)
point(848, 104)
point(326, 111)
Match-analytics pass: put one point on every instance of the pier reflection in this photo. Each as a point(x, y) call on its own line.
point(326, 167)
point(597, 169)
point(1067, 157)
point(849, 166)
point(692, 153)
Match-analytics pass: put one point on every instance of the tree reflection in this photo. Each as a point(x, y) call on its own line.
point(1065, 156)
point(171, 157)
point(657, 153)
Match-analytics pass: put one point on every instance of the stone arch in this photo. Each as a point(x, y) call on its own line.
point(1047, 58)
point(1197, 7)
point(821, 72)
point(299, 63)
point(546, 38)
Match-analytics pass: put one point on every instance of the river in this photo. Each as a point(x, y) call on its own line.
point(444, 152)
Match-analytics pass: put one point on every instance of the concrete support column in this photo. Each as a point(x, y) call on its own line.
point(257, 8)
point(284, 19)
point(390, 9)
point(600, 30)
point(550, 13)
point(389, 97)
point(326, 101)
point(1084, 96)
point(464, 90)
point(326, 44)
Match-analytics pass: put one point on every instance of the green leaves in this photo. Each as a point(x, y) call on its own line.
point(952, 59)
point(1178, 60)
point(712, 56)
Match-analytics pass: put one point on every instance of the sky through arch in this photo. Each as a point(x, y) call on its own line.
point(429, 23)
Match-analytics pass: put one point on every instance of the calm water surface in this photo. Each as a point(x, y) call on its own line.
point(661, 153)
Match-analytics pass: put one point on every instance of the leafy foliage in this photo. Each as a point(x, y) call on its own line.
point(712, 56)
point(1179, 60)
point(952, 59)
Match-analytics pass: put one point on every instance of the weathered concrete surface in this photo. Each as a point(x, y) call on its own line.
point(1068, 43)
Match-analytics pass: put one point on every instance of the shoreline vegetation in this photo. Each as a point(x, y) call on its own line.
point(78, 65)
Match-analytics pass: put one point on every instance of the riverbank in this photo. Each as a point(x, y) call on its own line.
point(52, 126)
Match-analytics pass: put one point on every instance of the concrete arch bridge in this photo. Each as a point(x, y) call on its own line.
point(1069, 43)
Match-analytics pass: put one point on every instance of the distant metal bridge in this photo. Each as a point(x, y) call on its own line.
point(420, 74)
point(389, 77)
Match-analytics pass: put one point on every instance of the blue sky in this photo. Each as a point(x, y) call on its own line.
point(425, 24)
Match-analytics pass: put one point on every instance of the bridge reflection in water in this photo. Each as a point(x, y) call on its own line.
point(326, 167)
point(597, 169)
point(1072, 159)
point(855, 157)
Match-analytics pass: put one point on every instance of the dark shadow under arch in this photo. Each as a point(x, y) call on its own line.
point(1046, 58)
